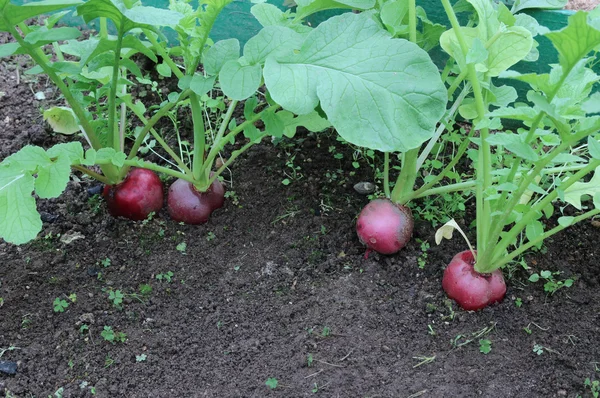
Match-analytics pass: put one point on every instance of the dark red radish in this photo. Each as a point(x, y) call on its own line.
point(384, 226)
point(186, 204)
point(140, 194)
point(470, 289)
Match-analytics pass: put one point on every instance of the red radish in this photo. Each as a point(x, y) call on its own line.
point(384, 226)
point(185, 203)
point(140, 194)
point(469, 288)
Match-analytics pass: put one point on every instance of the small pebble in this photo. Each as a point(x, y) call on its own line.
point(8, 367)
point(364, 188)
point(95, 190)
point(47, 217)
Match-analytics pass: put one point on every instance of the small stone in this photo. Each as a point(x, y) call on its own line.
point(95, 190)
point(8, 367)
point(364, 188)
point(386, 348)
point(47, 217)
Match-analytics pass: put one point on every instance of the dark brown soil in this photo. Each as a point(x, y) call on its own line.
point(275, 286)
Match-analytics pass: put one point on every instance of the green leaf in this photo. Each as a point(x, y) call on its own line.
point(393, 15)
point(29, 158)
point(594, 147)
point(566, 221)
point(20, 220)
point(127, 17)
point(270, 15)
point(574, 193)
point(164, 70)
point(534, 278)
point(221, 52)
point(378, 92)
point(274, 41)
point(311, 121)
point(534, 230)
point(240, 82)
point(519, 5)
point(105, 155)
point(308, 7)
point(477, 52)
point(62, 120)
point(11, 15)
point(71, 150)
point(8, 49)
point(274, 126)
point(515, 144)
point(43, 35)
point(52, 180)
point(575, 41)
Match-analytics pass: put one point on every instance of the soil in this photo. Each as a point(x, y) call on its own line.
point(275, 285)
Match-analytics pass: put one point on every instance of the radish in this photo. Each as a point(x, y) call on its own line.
point(470, 289)
point(384, 226)
point(186, 204)
point(140, 194)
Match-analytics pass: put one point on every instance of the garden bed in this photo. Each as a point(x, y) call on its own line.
point(274, 286)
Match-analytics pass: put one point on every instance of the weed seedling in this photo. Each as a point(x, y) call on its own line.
point(116, 297)
point(272, 383)
point(485, 346)
point(168, 276)
point(181, 247)
point(60, 305)
point(552, 285)
point(593, 386)
point(141, 358)
point(112, 336)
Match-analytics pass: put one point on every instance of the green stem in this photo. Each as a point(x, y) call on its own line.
point(163, 53)
point(113, 136)
point(386, 174)
point(508, 258)
point(152, 166)
point(161, 141)
point(459, 79)
point(212, 154)
point(423, 191)
point(405, 183)
point(412, 20)
point(484, 161)
point(199, 140)
point(510, 236)
point(109, 170)
point(500, 222)
point(229, 161)
point(153, 120)
point(92, 174)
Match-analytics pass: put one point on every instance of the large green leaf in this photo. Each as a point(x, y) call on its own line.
point(512, 45)
point(575, 41)
point(20, 220)
point(11, 15)
point(222, 51)
point(278, 41)
point(239, 81)
point(378, 92)
point(126, 17)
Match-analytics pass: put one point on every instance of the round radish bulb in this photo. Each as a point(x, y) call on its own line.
point(140, 194)
point(186, 204)
point(469, 288)
point(384, 226)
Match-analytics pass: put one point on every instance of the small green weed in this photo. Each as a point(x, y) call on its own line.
point(167, 276)
point(60, 305)
point(485, 346)
point(112, 336)
point(272, 383)
point(552, 285)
